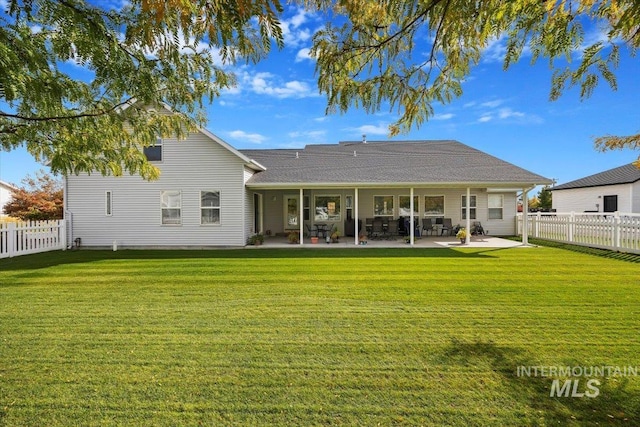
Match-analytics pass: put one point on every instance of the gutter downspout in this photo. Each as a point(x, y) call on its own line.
point(301, 213)
point(467, 239)
point(357, 233)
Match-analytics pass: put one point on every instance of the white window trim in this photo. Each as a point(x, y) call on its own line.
point(161, 209)
point(416, 206)
point(315, 207)
point(219, 208)
point(158, 143)
point(489, 207)
point(393, 209)
point(463, 208)
point(444, 206)
point(108, 203)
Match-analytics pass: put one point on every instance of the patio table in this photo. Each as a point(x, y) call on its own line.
point(322, 229)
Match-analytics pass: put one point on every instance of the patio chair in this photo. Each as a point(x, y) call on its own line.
point(477, 229)
point(312, 230)
point(392, 229)
point(377, 230)
point(402, 229)
point(427, 225)
point(368, 226)
point(447, 227)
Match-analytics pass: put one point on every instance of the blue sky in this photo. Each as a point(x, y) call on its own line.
point(504, 113)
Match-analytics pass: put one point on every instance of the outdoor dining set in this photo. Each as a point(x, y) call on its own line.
point(381, 227)
point(390, 228)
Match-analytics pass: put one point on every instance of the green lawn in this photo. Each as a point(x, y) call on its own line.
point(306, 337)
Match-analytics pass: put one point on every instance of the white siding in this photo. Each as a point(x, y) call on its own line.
point(189, 166)
point(5, 196)
point(635, 197)
point(591, 198)
point(248, 206)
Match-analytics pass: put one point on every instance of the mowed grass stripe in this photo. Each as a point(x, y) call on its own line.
point(416, 337)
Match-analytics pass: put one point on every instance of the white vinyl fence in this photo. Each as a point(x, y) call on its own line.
point(617, 231)
point(23, 238)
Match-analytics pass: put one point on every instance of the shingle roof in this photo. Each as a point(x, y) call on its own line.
point(385, 162)
point(621, 175)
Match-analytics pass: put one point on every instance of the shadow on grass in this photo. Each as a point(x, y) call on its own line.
point(614, 405)
point(603, 253)
point(49, 259)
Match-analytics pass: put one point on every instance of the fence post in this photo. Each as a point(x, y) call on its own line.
point(616, 230)
point(571, 225)
point(62, 233)
point(11, 239)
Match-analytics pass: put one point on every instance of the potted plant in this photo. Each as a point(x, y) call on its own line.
point(293, 237)
point(462, 235)
point(362, 238)
point(256, 240)
point(335, 236)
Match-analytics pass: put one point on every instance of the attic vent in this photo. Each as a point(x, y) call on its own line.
point(297, 155)
point(354, 153)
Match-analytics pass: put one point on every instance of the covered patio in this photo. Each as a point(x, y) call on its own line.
point(353, 186)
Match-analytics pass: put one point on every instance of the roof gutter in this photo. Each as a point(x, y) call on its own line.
point(323, 185)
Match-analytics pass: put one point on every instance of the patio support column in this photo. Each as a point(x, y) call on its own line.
point(301, 213)
point(355, 210)
point(411, 222)
point(525, 217)
point(468, 224)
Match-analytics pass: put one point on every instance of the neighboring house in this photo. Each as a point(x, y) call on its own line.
point(613, 190)
point(6, 191)
point(210, 194)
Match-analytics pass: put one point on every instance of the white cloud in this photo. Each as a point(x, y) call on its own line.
point(381, 129)
point(510, 116)
point(496, 50)
point(505, 113)
point(446, 116)
point(492, 104)
point(303, 55)
point(293, 32)
point(320, 119)
point(254, 138)
point(313, 135)
point(266, 84)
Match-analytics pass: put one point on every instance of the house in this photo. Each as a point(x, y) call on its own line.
point(211, 194)
point(6, 191)
point(616, 189)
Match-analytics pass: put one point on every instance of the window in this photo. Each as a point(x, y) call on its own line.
point(154, 152)
point(472, 207)
point(496, 203)
point(171, 205)
point(610, 203)
point(348, 201)
point(327, 208)
point(434, 206)
point(210, 207)
point(306, 206)
point(382, 205)
point(108, 201)
point(404, 205)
